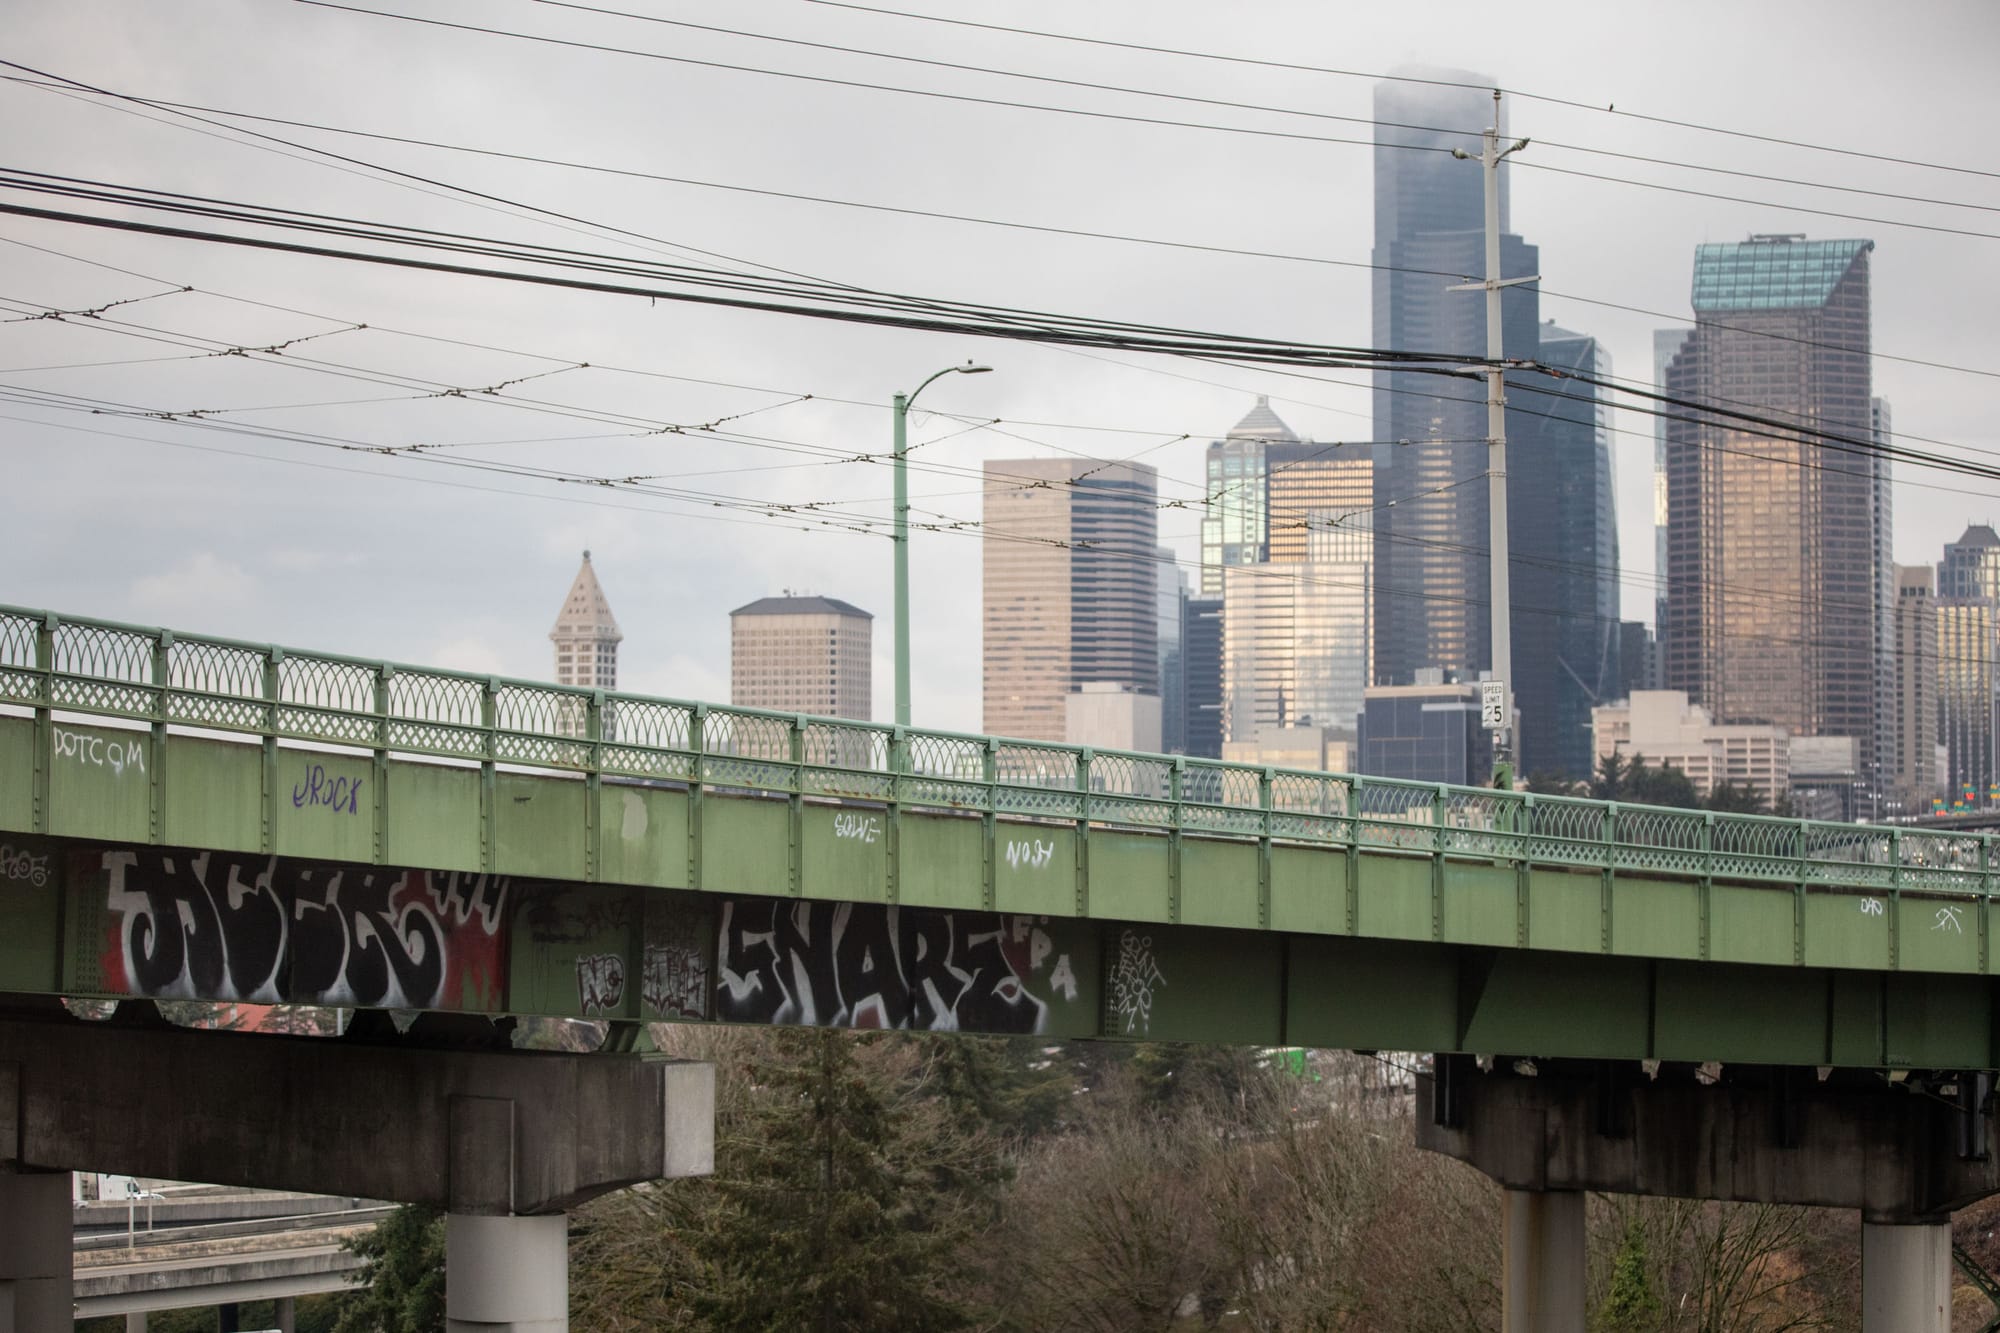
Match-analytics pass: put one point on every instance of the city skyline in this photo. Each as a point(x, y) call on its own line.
point(309, 554)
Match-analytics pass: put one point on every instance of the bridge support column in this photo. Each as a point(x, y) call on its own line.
point(288, 1314)
point(1906, 1277)
point(35, 1247)
point(506, 1274)
point(1542, 1260)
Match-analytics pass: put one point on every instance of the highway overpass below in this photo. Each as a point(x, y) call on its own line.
point(188, 1246)
point(183, 817)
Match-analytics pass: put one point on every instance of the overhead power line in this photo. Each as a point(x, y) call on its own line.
point(59, 84)
point(1573, 103)
point(969, 99)
point(716, 287)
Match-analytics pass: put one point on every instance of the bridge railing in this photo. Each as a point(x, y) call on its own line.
point(161, 678)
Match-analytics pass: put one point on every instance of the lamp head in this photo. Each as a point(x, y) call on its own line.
point(970, 368)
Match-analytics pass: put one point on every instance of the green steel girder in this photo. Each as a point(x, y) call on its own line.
point(128, 737)
point(90, 920)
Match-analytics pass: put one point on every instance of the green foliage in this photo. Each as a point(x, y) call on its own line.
point(1171, 1075)
point(1632, 1305)
point(402, 1267)
point(1010, 1087)
point(1622, 779)
point(831, 1217)
point(1736, 800)
point(1551, 784)
point(852, 1173)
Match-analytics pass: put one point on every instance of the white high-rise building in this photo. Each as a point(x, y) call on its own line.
point(586, 635)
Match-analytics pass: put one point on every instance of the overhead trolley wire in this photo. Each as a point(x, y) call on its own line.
point(816, 301)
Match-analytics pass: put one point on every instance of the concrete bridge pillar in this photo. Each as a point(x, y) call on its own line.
point(1542, 1261)
point(506, 1274)
point(1906, 1277)
point(35, 1247)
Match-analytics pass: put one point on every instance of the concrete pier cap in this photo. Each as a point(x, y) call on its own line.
point(488, 1132)
point(1899, 1155)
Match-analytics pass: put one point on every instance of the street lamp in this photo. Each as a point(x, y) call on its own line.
point(902, 536)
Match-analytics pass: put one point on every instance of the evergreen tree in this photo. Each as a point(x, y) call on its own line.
point(402, 1275)
point(832, 1201)
point(1609, 784)
point(1665, 785)
point(1736, 800)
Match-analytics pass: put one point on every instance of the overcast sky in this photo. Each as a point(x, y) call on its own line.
point(211, 526)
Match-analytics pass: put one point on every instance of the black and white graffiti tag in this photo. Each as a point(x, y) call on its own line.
point(216, 926)
point(674, 979)
point(207, 926)
point(867, 966)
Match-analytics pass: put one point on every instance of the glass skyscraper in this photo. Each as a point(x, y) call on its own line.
point(1565, 582)
point(1432, 576)
point(1235, 521)
point(1774, 543)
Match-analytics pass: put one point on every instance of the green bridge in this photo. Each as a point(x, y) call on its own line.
point(186, 816)
point(1615, 997)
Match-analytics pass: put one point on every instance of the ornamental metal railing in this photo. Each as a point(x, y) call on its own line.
point(163, 678)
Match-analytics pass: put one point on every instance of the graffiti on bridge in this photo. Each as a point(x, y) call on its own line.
point(242, 927)
point(870, 966)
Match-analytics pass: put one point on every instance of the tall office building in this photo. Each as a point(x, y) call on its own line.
point(1771, 553)
point(1235, 520)
point(802, 654)
point(1667, 344)
point(1968, 693)
point(1968, 641)
point(1433, 575)
point(1565, 590)
point(1882, 555)
point(1431, 580)
point(1297, 638)
point(1069, 582)
point(1170, 599)
point(1201, 665)
point(1971, 565)
point(586, 635)
point(1913, 776)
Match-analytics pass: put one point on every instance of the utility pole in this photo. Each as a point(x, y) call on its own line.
point(1500, 612)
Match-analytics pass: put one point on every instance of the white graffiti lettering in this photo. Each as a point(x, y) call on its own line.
point(864, 828)
point(1947, 919)
point(1133, 980)
point(21, 867)
point(600, 981)
point(1062, 980)
point(100, 751)
point(1871, 907)
point(1034, 853)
